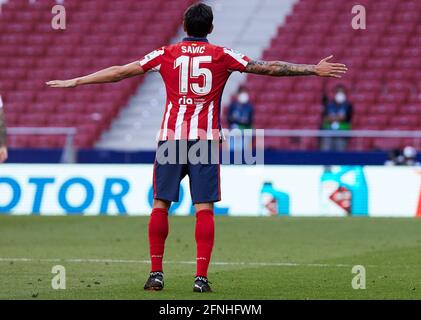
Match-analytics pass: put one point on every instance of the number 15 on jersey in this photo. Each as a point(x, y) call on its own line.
point(192, 68)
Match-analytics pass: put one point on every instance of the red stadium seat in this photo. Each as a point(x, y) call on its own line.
point(408, 109)
point(384, 63)
point(99, 33)
point(388, 109)
point(15, 141)
point(407, 120)
point(12, 119)
point(383, 80)
point(396, 97)
point(386, 144)
point(33, 120)
point(45, 108)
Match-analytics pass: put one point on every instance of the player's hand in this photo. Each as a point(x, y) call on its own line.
point(3, 154)
point(327, 69)
point(62, 83)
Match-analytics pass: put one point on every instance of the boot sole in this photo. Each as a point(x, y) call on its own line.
point(153, 289)
point(197, 291)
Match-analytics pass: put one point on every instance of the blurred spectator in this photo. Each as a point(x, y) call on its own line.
point(406, 157)
point(395, 158)
point(240, 116)
point(410, 156)
point(240, 112)
point(337, 115)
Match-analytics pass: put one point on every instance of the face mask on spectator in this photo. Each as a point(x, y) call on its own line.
point(340, 97)
point(243, 98)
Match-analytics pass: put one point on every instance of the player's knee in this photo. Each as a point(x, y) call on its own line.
point(203, 206)
point(161, 204)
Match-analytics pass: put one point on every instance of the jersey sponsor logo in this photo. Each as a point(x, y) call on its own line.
point(185, 100)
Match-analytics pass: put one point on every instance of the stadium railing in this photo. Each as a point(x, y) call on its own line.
point(343, 133)
point(415, 136)
point(69, 152)
point(360, 135)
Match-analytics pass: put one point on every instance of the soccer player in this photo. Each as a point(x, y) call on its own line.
point(194, 72)
point(3, 147)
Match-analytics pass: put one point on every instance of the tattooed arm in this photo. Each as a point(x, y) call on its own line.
point(3, 148)
point(286, 69)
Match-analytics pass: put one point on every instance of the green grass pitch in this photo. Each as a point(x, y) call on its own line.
point(255, 258)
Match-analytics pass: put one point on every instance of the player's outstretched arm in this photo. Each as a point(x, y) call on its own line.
point(285, 69)
point(3, 148)
point(112, 74)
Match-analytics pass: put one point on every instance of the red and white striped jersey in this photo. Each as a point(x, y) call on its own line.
point(195, 73)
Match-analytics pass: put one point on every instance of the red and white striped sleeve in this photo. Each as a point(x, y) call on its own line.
point(152, 61)
point(235, 61)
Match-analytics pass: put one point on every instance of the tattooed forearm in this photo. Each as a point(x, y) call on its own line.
point(2, 129)
point(280, 68)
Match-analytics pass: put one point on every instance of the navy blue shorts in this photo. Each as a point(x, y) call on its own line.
point(199, 160)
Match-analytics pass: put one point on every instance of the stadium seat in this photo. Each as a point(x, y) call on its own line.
point(384, 68)
point(383, 81)
point(36, 54)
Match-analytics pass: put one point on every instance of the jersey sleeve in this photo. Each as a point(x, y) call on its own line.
point(152, 61)
point(1, 102)
point(235, 61)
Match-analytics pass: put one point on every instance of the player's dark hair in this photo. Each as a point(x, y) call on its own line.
point(198, 20)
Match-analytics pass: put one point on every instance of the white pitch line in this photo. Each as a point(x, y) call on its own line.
point(122, 261)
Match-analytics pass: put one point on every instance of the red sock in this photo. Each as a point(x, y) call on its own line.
point(158, 232)
point(205, 235)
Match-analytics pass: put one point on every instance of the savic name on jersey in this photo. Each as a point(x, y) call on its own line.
point(195, 73)
point(190, 49)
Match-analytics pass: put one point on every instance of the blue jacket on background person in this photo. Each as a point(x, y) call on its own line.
point(240, 112)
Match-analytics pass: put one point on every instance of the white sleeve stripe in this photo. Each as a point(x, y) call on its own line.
point(236, 56)
point(1, 103)
point(165, 127)
point(209, 133)
point(156, 69)
point(153, 55)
